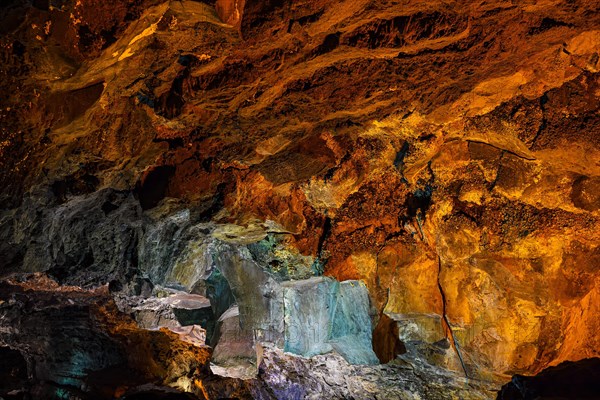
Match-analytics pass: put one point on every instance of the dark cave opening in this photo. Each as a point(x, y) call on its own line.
point(153, 185)
point(568, 380)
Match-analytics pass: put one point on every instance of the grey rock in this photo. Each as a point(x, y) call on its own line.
point(172, 270)
point(88, 241)
point(177, 252)
point(425, 340)
point(93, 244)
point(329, 376)
point(163, 242)
point(258, 295)
point(235, 354)
point(176, 310)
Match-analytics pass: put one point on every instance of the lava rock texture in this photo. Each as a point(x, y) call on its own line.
point(279, 199)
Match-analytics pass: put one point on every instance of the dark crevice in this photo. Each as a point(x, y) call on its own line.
point(399, 160)
point(386, 343)
point(406, 29)
point(131, 257)
point(468, 216)
point(331, 171)
point(215, 205)
point(330, 43)
point(547, 24)
point(74, 185)
point(59, 272)
point(493, 184)
point(449, 331)
point(152, 188)
point(570, 380)
point(324, 235)
point(13, 370)
point(426, 138)
point(321, 260)
point(145, 98)
point(87, 38)
point(504, 150)
point(418, 202)
point(208, 163)
point(108, 37)
point(306, 19)
point(174, 143)
point(544, 123)
point(378, 281)
point(170, 104)
point(88, 259)
point(108, 207)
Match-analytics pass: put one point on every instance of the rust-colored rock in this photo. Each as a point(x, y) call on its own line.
point(447, 154)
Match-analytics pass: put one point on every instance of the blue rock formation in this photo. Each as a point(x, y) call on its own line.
point(322, 314)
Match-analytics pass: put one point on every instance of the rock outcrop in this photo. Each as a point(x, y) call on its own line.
point(297, 199)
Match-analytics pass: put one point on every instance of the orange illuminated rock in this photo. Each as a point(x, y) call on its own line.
point(444, 153)
point(230, 11)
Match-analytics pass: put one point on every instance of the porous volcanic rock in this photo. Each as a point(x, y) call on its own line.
point(428, 168)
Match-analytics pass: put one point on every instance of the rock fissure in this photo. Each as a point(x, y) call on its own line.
point(543, 122)
point(447, 326)
point(498, 169)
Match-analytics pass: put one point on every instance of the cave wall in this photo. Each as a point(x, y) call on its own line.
point(435, 162)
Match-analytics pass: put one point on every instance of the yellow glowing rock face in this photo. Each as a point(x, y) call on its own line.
point(511, 250)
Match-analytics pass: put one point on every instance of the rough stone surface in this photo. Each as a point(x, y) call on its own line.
point(443, 153)
point(88, 241)
point(330, 376)
point(76, 343)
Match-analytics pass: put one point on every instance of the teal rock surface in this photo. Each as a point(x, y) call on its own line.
point(351, 331)
point(322, 314)
point(309, 307)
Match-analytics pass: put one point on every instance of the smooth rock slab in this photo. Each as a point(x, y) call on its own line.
point(309, 306)
point(322, 314)
point(234, 355)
